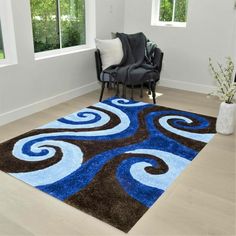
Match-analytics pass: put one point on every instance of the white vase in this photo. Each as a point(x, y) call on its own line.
point(225, 123)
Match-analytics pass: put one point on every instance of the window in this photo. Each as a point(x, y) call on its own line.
point(58, 24)
point(7, 35)
point(169, 12)
point(2, 55)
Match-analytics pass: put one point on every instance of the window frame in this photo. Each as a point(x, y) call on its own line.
point(90, 30)
point(2, 60)
point(155, 19)
point(8, 33)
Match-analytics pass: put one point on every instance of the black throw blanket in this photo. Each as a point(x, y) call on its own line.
point(139, 64)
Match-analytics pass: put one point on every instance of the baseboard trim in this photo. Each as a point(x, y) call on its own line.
point(27, 110)
point(183, 85)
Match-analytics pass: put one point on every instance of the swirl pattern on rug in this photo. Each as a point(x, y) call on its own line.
point(112, 160)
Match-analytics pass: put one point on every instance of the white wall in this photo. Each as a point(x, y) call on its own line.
point(110, 17)
point(209, 33)
point(33, 85)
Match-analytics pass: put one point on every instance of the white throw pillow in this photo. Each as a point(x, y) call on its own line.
point(111, 51)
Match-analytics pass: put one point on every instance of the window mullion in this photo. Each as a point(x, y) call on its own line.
point(59, 22)
point(173, 13)
point(157, 9)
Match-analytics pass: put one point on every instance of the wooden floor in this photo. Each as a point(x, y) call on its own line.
point(200, 202)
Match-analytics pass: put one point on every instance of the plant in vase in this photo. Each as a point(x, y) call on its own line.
point(225, 91)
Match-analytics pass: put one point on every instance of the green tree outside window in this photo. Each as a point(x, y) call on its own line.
point(72, 22)
point(166, 10)
point(180, 11)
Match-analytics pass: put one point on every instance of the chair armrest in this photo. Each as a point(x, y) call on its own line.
point(158, 59)
point(98, 64)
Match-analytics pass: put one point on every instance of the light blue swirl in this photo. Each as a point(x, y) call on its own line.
point(195, 136)
point(127, 103)
point(71, 161)
point(83, 117)
point(175, 163)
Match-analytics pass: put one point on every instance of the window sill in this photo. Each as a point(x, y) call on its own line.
point(170, 24)
point(6, 64)
point(62, 52)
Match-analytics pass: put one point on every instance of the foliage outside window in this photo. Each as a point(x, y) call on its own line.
point(58, 24)
point(170, 12)
point(2, 54)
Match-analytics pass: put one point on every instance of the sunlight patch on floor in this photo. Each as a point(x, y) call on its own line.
point(157, 95)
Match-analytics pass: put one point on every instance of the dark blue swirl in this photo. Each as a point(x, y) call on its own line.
point(203, 122)
point(81, 114)
point(142, 193)
point(163, 143)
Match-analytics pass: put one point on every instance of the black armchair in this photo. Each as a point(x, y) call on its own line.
point(106, 78)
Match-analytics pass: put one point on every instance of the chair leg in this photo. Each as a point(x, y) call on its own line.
point(124, 91)
point(109, 85)
point(141, 92)
point(149, 88)
point(132, 92)
point(154, 92)
point(101, 95)
point(117, 89)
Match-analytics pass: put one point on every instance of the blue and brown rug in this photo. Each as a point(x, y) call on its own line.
point(112, 160)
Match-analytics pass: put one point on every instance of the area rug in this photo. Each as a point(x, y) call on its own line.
point(112, 160)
